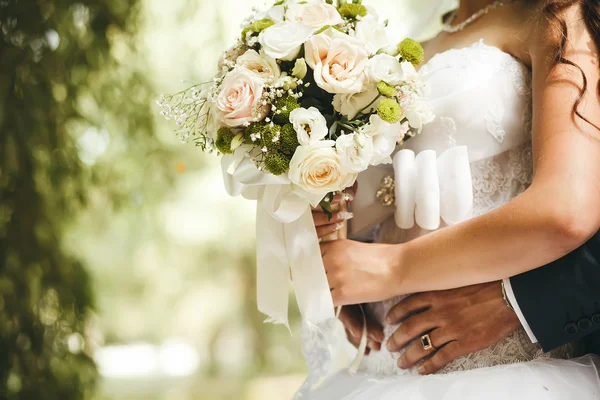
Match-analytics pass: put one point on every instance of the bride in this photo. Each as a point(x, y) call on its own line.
point(515, 85)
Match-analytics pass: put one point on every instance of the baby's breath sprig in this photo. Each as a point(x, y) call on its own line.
point(190, 109)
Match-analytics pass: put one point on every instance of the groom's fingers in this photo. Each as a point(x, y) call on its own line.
point(352, 322)
point(410, 305)
point(411, 329)
point(443, 357)
point(416, 352)
point(352, 319)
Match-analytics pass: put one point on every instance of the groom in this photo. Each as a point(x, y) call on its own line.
point(556, 304)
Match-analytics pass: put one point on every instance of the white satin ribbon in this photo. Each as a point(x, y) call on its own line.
point(430, 188)
point(286, 241)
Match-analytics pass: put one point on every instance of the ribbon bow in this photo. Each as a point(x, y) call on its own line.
point(429, 188)
point(286, 242)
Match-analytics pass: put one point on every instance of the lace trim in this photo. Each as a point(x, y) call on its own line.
point(493, 122)
point(494, 185)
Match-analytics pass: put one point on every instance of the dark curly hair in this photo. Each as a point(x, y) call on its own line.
point(553, 11)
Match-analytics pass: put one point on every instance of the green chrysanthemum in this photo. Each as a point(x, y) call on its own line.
point(411, 50)
point(223, 142)
point(389, 110)
point(289, 139)
point(271, 136)
point(351, 10)
point(283, 107)
point(257, 27)
point(252, 131)
point(386, 90)
point(276, 163)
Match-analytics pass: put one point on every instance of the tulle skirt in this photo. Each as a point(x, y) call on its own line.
point(542, 379)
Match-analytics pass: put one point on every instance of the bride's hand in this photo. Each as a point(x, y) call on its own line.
point(326, 226)
point(361, 272)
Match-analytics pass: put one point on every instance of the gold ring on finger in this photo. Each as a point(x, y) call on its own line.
point(427, 343)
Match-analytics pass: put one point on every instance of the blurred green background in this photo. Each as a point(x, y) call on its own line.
point(126, 271)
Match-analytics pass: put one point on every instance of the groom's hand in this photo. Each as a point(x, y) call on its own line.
point(352, 318)
point(458, 321)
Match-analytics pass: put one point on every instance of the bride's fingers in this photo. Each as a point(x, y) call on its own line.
point(416, 351)
point(412, 304)
point(348, 196)
point(412, 329)
point(443, 357)
point(322, 219)
point(327, 230)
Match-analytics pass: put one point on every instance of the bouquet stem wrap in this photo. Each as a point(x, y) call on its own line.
point(287, 243)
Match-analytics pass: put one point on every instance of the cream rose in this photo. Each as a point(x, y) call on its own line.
point(338, 61)
point(266, 67)
point(355, 150)
point(310, 125)
point(283, 41)
point(239, 100)
point(372, 33)
point(385, 136)
point(386, 68)
point(350, 104)
point(318, 170)
point(315, 14)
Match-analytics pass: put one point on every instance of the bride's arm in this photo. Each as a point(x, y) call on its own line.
point(558, 213)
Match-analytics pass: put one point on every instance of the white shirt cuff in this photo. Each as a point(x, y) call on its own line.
point(513, 302)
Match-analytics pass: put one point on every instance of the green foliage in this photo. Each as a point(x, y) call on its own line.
point(224, 138)
point(289, 139)
point(257, 27)
point(276, 163)
point(252, 131)
point(389, 110)
point(284, 106)
point(411, 50)
point(57, 80)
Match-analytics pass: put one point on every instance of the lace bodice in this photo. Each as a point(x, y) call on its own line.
point(482, 100)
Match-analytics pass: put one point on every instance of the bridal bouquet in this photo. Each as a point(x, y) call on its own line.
point(311, 94)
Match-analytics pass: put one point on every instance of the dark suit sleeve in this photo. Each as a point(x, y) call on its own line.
point(561, 301)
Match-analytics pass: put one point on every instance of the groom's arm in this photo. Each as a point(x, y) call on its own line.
point(560, 302)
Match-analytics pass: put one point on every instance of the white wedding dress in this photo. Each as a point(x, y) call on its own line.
point(481, 97)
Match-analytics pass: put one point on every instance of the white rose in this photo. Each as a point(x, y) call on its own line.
point(310, 125)
point(239, 100)
point(350, 104)
point(300, 69)
point(418, 112)
point(372, 33)
point(409, 73)
point(283, 41)
point(384, 67)
point(355, 150)
point(315, 14)
point(262, 64)
point(275, 14)
point(385, 136)
point(318, 170)
point(338, 61)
